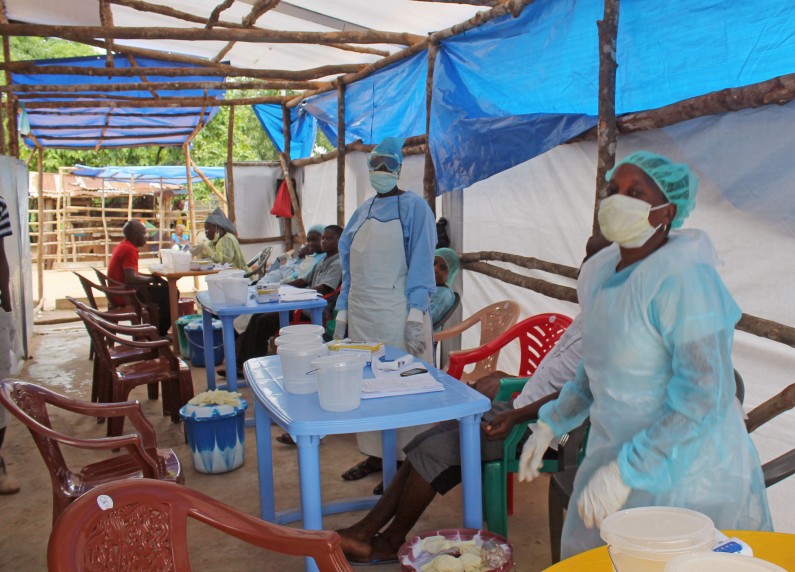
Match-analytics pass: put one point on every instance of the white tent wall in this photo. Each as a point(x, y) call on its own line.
point(544, 208)
point(14, 189)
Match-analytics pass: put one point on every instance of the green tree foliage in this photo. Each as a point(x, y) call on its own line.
point(209, 147)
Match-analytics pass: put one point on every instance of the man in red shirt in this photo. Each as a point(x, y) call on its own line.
point(123, 267)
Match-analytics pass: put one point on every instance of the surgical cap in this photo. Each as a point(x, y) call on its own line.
point(451, 259)
point(219, 219)
point(677, 181)
point(318, 228)
point(390, 147)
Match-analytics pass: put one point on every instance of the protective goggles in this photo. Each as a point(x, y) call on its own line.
point(391, 162)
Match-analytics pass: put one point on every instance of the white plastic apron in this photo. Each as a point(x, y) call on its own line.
point(377, 305)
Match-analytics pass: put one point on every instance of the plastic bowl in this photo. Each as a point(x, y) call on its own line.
point(411, 561)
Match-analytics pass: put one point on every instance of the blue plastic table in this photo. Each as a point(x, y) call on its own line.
point(228, 313)
point(302, 417)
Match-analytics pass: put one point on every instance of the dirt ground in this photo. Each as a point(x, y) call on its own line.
point(60, 362)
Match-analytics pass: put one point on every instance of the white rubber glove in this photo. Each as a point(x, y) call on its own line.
point(414, 333)
point(197, 250)
point(604, 494)
point(341, 325)
point(532, 456)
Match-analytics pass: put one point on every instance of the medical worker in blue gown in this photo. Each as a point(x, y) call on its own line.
point(656, 377)
point(387, 253)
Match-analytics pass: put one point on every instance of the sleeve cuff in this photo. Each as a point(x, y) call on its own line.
point(415, 315)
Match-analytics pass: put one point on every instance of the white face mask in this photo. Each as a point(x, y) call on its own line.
point(625, 220)
point(382, 181)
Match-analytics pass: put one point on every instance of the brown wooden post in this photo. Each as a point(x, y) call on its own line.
point(284, 159)
point(229, 183)
point(2, 127)
point(429, 176)
point(130, 198)
point(106, 245)
point(191, 207)
point(40, 256)
point(340, 153)
point(607, 133)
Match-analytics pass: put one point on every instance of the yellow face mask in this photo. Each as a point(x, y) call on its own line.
point(625, 220)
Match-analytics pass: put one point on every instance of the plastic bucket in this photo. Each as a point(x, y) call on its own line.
point(215, 289)
point(339, 381)
point(298, 339)
point(302, 329)
point(195, 334)
point(168, 261)
point(185, 306)
point(184, 347)
point(702, 561)
point(216, 436)
point(235, 290)
point(180, 261)
point(644, 539)
point(297, 368)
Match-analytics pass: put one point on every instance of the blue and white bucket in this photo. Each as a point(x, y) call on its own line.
point(216, 436)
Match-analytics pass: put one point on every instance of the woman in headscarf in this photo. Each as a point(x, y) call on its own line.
point(445, 268)
point(222, 246)
point(656, 376)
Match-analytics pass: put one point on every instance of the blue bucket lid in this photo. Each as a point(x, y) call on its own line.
point(198, 325)
point(212, 412)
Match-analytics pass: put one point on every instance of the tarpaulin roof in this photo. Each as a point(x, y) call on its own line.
point(303, 128)
point(92, 128)
point(173, 175)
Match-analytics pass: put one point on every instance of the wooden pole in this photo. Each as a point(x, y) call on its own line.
point(106, 245)
point(209, 183)
point(149, 103)
point(229, 183)
point(130, 198)
point(256, 35)
point(58, 222)
point(340, 153)
point(607, 133)
point(429, 174)
point(191, 206)
point(161, 216)
point(40, 261)
point(2, 127)
point(45, 90)
point(284, 159)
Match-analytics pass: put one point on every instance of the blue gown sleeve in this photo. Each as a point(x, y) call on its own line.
point(419, 230)
point(695, 317)
point(570, 409)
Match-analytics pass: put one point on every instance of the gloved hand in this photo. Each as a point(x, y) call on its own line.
point(197, 250)
point(414, 333)
point(341, 325)
point(533, 451)
point(604, 494)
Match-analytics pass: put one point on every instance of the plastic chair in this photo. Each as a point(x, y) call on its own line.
point(494, 320)
point(147, 525)
point(119, 354)
point(258, 264)
point(440, 323)
point(28, 403)
point(162, 367)
point(106, 280)
point(536, 335)
point(783, 466)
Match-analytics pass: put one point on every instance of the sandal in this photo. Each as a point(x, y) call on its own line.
point(361, 470)
point(285, 439)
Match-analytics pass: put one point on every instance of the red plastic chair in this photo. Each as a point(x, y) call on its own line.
point(146, 529)
point(536, 335)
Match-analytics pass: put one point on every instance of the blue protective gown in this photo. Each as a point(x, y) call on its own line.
point(419, 243)
point(657, 381)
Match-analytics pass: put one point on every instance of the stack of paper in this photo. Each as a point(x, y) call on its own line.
point(293, 294)
point(396, 385)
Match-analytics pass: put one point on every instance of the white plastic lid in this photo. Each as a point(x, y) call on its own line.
point(658, 530)
point(298, 339)
point(299, 349)
point(302, 329)
point(708, 561)
point(339, 360)
point(231, 272)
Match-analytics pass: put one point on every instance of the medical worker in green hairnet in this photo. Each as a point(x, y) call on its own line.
point(656, 377)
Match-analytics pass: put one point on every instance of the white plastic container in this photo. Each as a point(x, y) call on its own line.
point(644, 539)
point(297, 369)
point(709, 561)
point(235, 290)
point(298, 339)
point(215, 289)
point(180, 261)
point(168, 261)
point(302, 329)
point(339, 381)
point(232, 273)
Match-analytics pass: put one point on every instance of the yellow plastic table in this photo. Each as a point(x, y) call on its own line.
point(775, 547)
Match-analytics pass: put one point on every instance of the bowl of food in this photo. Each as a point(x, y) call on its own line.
point(456, 550)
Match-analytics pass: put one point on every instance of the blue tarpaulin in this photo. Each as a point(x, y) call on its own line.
point(303, 128)
point(98, 127)
point(172, 175)
point(388, 103)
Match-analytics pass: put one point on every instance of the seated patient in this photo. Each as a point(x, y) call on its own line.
point(445, 268)
point(305, 259)
point(325, 278)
